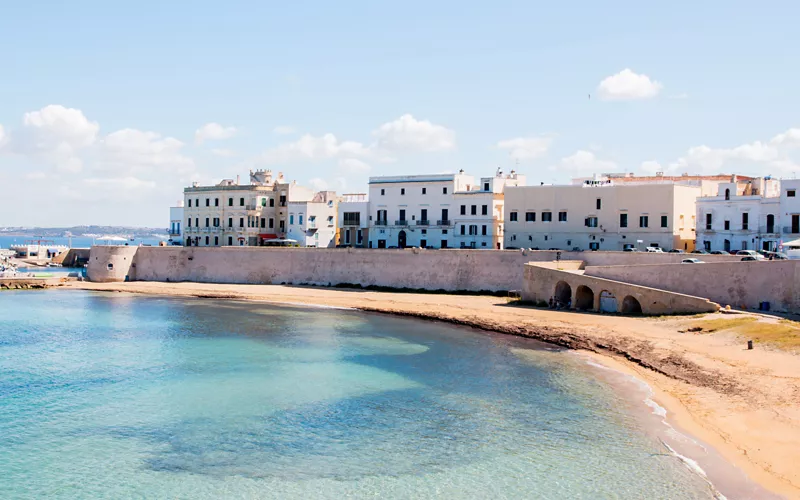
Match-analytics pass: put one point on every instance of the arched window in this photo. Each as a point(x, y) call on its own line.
point(727, 194)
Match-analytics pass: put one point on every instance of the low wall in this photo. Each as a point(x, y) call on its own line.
point(459, 269)
point(543, 283)
point(738, 284)
point(73, 257)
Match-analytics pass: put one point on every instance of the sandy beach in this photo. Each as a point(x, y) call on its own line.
point(744, 403)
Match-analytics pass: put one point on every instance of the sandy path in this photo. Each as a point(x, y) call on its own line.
point(744, 403)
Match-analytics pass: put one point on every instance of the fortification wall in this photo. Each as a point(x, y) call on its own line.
point(110, 263)
point(738, 284)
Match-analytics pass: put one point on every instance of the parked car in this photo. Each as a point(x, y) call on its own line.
point(630, 249)
point(750, 253)
point(692, 261)
point(700, 251)
point(675, 250)
point(748, 258)
point(654, 250)
point(775, 256)
point(720, 252)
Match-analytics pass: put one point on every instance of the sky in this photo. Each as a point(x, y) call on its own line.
point(109, 109)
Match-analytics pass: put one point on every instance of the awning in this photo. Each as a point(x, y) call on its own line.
point(793, 243)
point(267, 236)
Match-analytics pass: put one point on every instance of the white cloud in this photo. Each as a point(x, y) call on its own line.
point(353, 166)
point(584, 163)
point(2, 136)
point(409, 134)
point(627, 85)
point(34, 176)
point(213, 132)
point(310, 148)
point(651, 167)
point(283, 130)
point(226, 153)
point(526, 148)
point(789, 138)
point(318, 184)
point(131, 150)
point(683, 95)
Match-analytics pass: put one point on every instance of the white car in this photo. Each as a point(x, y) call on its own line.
point(654, 250)
point(692, 261)
point(750, 253)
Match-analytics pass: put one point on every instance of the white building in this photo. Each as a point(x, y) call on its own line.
point(749, 214)
point(233, 214)
point(353, 220)
point(434, 210)
point(176, 223)
point(312, 223)
point(601, 215)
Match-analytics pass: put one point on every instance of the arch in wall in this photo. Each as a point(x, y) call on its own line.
point(563, 293)
point(727, 194)
point(584, 298)
point(631, 306)
point(401, 239)
point(608, 302)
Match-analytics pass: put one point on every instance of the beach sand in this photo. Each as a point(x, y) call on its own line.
point(743, 403)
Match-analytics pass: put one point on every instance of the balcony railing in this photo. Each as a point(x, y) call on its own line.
point(401, 223)
point(423, 223)
point(174, 233)
point(351, 222)
point(769, 229)
point(444, 222)
point(381, 223)
point(791, 230)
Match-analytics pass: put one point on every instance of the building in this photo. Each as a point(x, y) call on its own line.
point(600, 214)
point(312, 223)
point(438, 211)
point(353, 220)
point(234, 214)
point(176, 223)
point(749, 214)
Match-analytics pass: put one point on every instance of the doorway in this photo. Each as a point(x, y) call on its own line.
point(401, 239)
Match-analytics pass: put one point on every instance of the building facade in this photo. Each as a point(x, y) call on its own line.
point(437, 211)
point(749, 214)
point(312, 223)
point(353, 220)
point(601, 215)
point(233, 214)
point(176, 219)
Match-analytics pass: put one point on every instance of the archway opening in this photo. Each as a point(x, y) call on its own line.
point(727, 194)
point(584, 298)
point(401, 239)
point(770, 223)
point(631, 306)
point(563, 293)
point(608, 302)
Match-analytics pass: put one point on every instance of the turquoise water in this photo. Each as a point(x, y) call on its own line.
point(118, 396)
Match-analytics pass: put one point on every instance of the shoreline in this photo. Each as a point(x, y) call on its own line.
point(753, 427)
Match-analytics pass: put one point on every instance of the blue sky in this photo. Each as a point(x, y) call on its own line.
point(108, 110)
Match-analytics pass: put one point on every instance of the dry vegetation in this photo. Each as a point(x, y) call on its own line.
point(783, 334)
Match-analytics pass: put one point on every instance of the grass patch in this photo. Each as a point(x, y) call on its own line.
point(784, 334)
point(376, 288)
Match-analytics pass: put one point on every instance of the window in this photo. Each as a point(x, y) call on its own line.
point(215, 222)
point(241, 221)
point(473, 230)
point(300, 219)
point(663, 221)
point(547, 216)
point(197, 202)
point(216, 202)
point(463, 210)
point(230, 221)
point(207, 222)
point(189, 222)
point(230, 202)
point(424, 231)
point(230, 238)
point(383, 192)
point(216, 241)
point(727, 225)
point(562, 216)
point(263, 202)
point(271, 223)
point(485, 186)
point(590, 222)
point(424, 191)
point(291, 219)
point(745, 220)
point(727, 194)
point(272, 202)
point(599, 203)
point(623, 220)
point(241, 202)
point(593, 245)
point(352, 218)
point(512, 216)
point(207, 238)
point(197, 222)
point(263, 223)
point(644, 221)
point(790, 193)
point(402, 191)
point(708, 222)
point(283, 200)
point(444, 191)
point(444, 231)
point(530, 216)
point(473, 210)
point(402, 214)
point(483, 230)
point(207, 201)
point(444, 215)
point(423, 216)
point(485, 210)
point(463, 229)
point(190, 203)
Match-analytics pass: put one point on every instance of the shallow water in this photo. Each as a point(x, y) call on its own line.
point(118, 396)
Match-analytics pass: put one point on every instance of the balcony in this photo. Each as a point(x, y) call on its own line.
point(769, 229)
point(423, 223)
point(791, 230)
point(348, 222)
point(173, 233)
point(381, 223)
point(401, 223)
point(444, 222)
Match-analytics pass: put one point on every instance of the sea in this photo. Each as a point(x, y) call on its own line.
point(114, 395)
point(77, 241)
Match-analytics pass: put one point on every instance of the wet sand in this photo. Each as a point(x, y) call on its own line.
point(744, 404)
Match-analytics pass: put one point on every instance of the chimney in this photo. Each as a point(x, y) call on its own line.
point(237, 179)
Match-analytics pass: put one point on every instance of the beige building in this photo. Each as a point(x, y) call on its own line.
point(233, 214)
point(600, 214)
point(312, 223)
